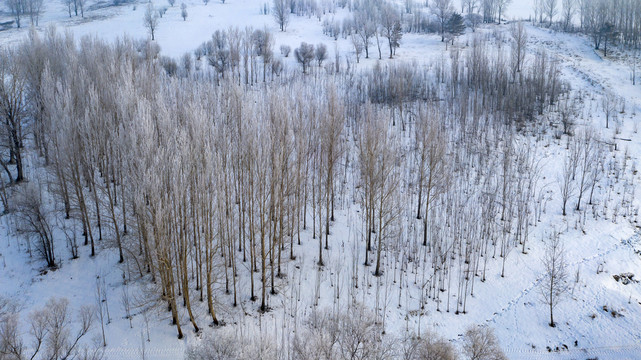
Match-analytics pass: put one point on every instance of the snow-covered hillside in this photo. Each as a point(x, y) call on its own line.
point(599, 317)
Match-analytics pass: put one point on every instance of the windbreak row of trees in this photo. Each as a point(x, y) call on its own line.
point(345, 334)
point(20, 9)
point(605, 21)
point(208, 183)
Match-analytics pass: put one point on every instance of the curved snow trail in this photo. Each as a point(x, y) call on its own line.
point(541, 276)
point(631, 351)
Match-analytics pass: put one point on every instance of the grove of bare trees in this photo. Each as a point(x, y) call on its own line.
point(207, 175)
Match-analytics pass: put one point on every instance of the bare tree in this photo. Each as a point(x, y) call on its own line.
point(568, 114)
point(469, 6)
point(100, 308)
point(50, 332)
point(633, 61)
point(569, 10)
point(4, 195)
point(609, 104)
point(433, 173)
point(13, 111)
point(519, 47)
point(588, 145)
point(539, 11)
point(442, 9)
point(304, 55)
point(427, 347)
point(365, 29)
point(488, 8)
point(550, 9)
point(183, 11)
point(186, 62)
point(320, 53)
point(151, 20)
point(281, 12)
point(69, 4)
point(554, 285)
point(379, 180)
point(358, 46)
point(11, 345)
point(126, 304)
point(80, 5)
point(17, 8)
point(391, 27)
point(285, 50)
point(480, 343)
point(566, 181)
point(34, 9)
point(35, 221)
point(223, 346)
point(500, 7)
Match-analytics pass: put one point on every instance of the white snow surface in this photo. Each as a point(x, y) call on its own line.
point(510, 305)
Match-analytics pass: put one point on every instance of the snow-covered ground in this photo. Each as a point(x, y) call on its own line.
point(511, 305)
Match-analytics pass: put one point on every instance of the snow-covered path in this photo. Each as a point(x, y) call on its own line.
point(629, 350)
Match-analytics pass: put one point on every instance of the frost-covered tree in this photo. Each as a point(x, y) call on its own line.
point(519, 46)
point(469, 6)
point(320, 53)
point(391, 28)
point(609, 104)
point(588, 150)
point(151, 20)
point(379, 180)
point(488, 8)
point(183, 11)
point(550, 10)
point(13, 112)
point(568, 10)
point(365, 29)
point(501, 6)
point(51, 335)
point(358, 46)
point(34, 9)
point(17, 8)
point(609, 35)
point(280, 9)
point(554, 285)
point(285, 50)
point(566, 181)
point(480, 343)
point(442, 9)
point(35, 221)
point(304, 55)
point(431, 160)
point(427, 347)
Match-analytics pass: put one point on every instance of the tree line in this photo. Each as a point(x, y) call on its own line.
point(203, 176)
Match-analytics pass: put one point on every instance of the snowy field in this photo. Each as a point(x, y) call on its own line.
point(511, 305)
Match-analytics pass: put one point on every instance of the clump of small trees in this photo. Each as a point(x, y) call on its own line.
point(480, 343)
point(304, 55)
point(53, 333)
point(326, 334)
